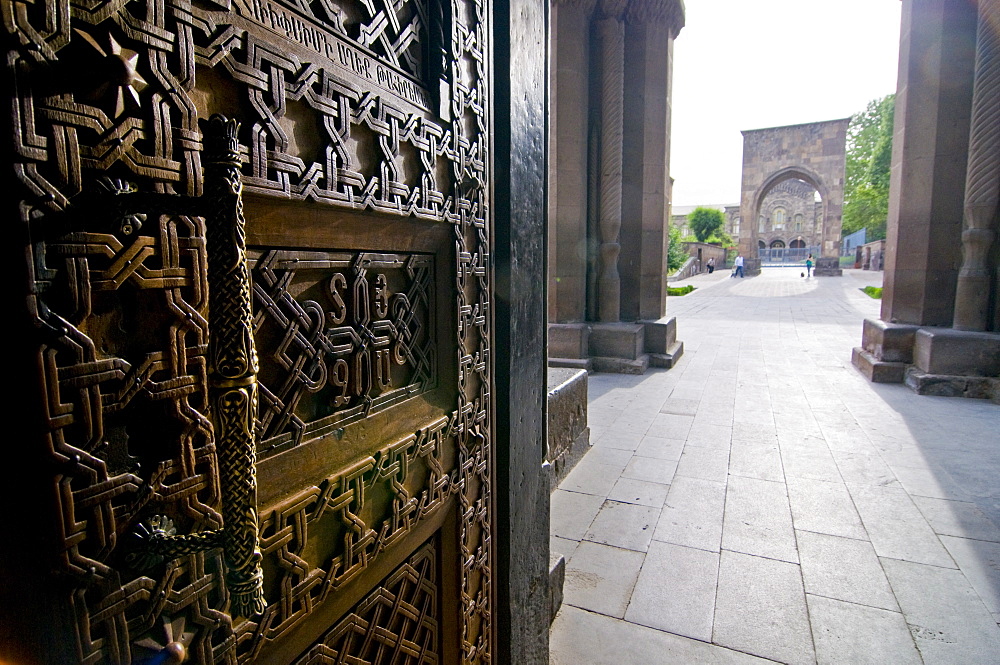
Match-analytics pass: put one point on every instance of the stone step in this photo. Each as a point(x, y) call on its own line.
point(875, 370)
point(585, 364)
point(668, 359)
point(557, 575)
point(953, 385)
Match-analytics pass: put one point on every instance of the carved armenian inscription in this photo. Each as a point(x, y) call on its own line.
point(332, 42)
point(341, 335)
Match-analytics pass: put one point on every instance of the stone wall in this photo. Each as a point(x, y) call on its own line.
point(702, 252)
point(790, 214)
point(813, 153)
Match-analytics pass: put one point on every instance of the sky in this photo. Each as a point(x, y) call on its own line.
point(742, 64)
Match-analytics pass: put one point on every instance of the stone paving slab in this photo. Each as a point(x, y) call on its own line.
point(843, 569)
point(761, 497)
point(650, 469)
point(810, 463)
point(957, 518)
point(947, 619)
point(640, 492)
point(692, 514)
point(704, 463)
point(591, 477)
point(581, 637)
point(979, 561)
point(896, 527)
point(757, 595)
point(600, 578)
point(652, 446)
point(824, 507)
point(676, 590)
point(859, 635)
point(759, 461)
point(625, 525)
point(572, 513)
point(758, 520)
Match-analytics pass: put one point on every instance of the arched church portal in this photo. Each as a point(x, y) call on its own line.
point(812, 153)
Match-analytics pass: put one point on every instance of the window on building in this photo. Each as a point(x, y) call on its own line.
point(798, 222)
point(779, 218)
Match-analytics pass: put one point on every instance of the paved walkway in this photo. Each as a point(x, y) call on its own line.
point(762, 502)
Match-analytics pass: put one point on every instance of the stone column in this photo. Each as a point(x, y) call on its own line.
point(611, 45)
point(982, 187)
point(929, 157)
point(568, 159)
point(650, 28)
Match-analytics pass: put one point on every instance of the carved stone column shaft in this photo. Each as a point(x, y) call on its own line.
point(982, 189)
point(612, 52)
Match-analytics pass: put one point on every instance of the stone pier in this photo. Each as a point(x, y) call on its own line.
point(609, 198)
point(938, 329)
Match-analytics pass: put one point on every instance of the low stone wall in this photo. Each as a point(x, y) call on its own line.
point(569, 435)
point(871, 255)
point(705, 251)
point(689, 268)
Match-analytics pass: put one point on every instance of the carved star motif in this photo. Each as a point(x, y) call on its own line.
point(120, 72)
point(173, 649)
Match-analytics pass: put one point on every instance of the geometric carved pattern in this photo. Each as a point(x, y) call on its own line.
point(398, 623)
point(341, 336)
point(127, 315)
point(343, 104)
point(362, 510)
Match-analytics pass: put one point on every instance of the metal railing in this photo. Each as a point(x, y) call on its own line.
point(786, 256)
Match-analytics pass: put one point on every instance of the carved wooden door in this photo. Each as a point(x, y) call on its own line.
point(271, 444)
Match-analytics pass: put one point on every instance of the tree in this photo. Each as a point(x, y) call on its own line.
point(705, 222)
point(869, 152)
point(676, 256)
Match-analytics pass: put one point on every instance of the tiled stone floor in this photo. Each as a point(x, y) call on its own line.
point(762, 502)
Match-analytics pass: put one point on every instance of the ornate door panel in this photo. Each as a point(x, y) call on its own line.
point(262, 371)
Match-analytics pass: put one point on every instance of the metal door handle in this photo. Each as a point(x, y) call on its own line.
point(233, 366)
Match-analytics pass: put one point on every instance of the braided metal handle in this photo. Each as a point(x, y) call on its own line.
point(233, 367)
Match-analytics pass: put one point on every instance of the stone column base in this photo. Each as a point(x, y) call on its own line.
point(931, 361)
point(621, 348)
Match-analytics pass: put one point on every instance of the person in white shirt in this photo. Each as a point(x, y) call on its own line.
point(739, 266)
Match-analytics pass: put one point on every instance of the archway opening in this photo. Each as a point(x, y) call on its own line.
point(790, 203)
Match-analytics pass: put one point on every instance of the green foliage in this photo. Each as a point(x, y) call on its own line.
point(869, 152)
point(676, 256)
point(679, 290)
point(873, 291)
point(720, 237)
point(704, 222)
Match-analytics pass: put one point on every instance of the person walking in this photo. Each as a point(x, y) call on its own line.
point(738, 272)
point(809, 266)
point(711, 265)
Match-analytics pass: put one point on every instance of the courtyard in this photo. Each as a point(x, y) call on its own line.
point(763, 502)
